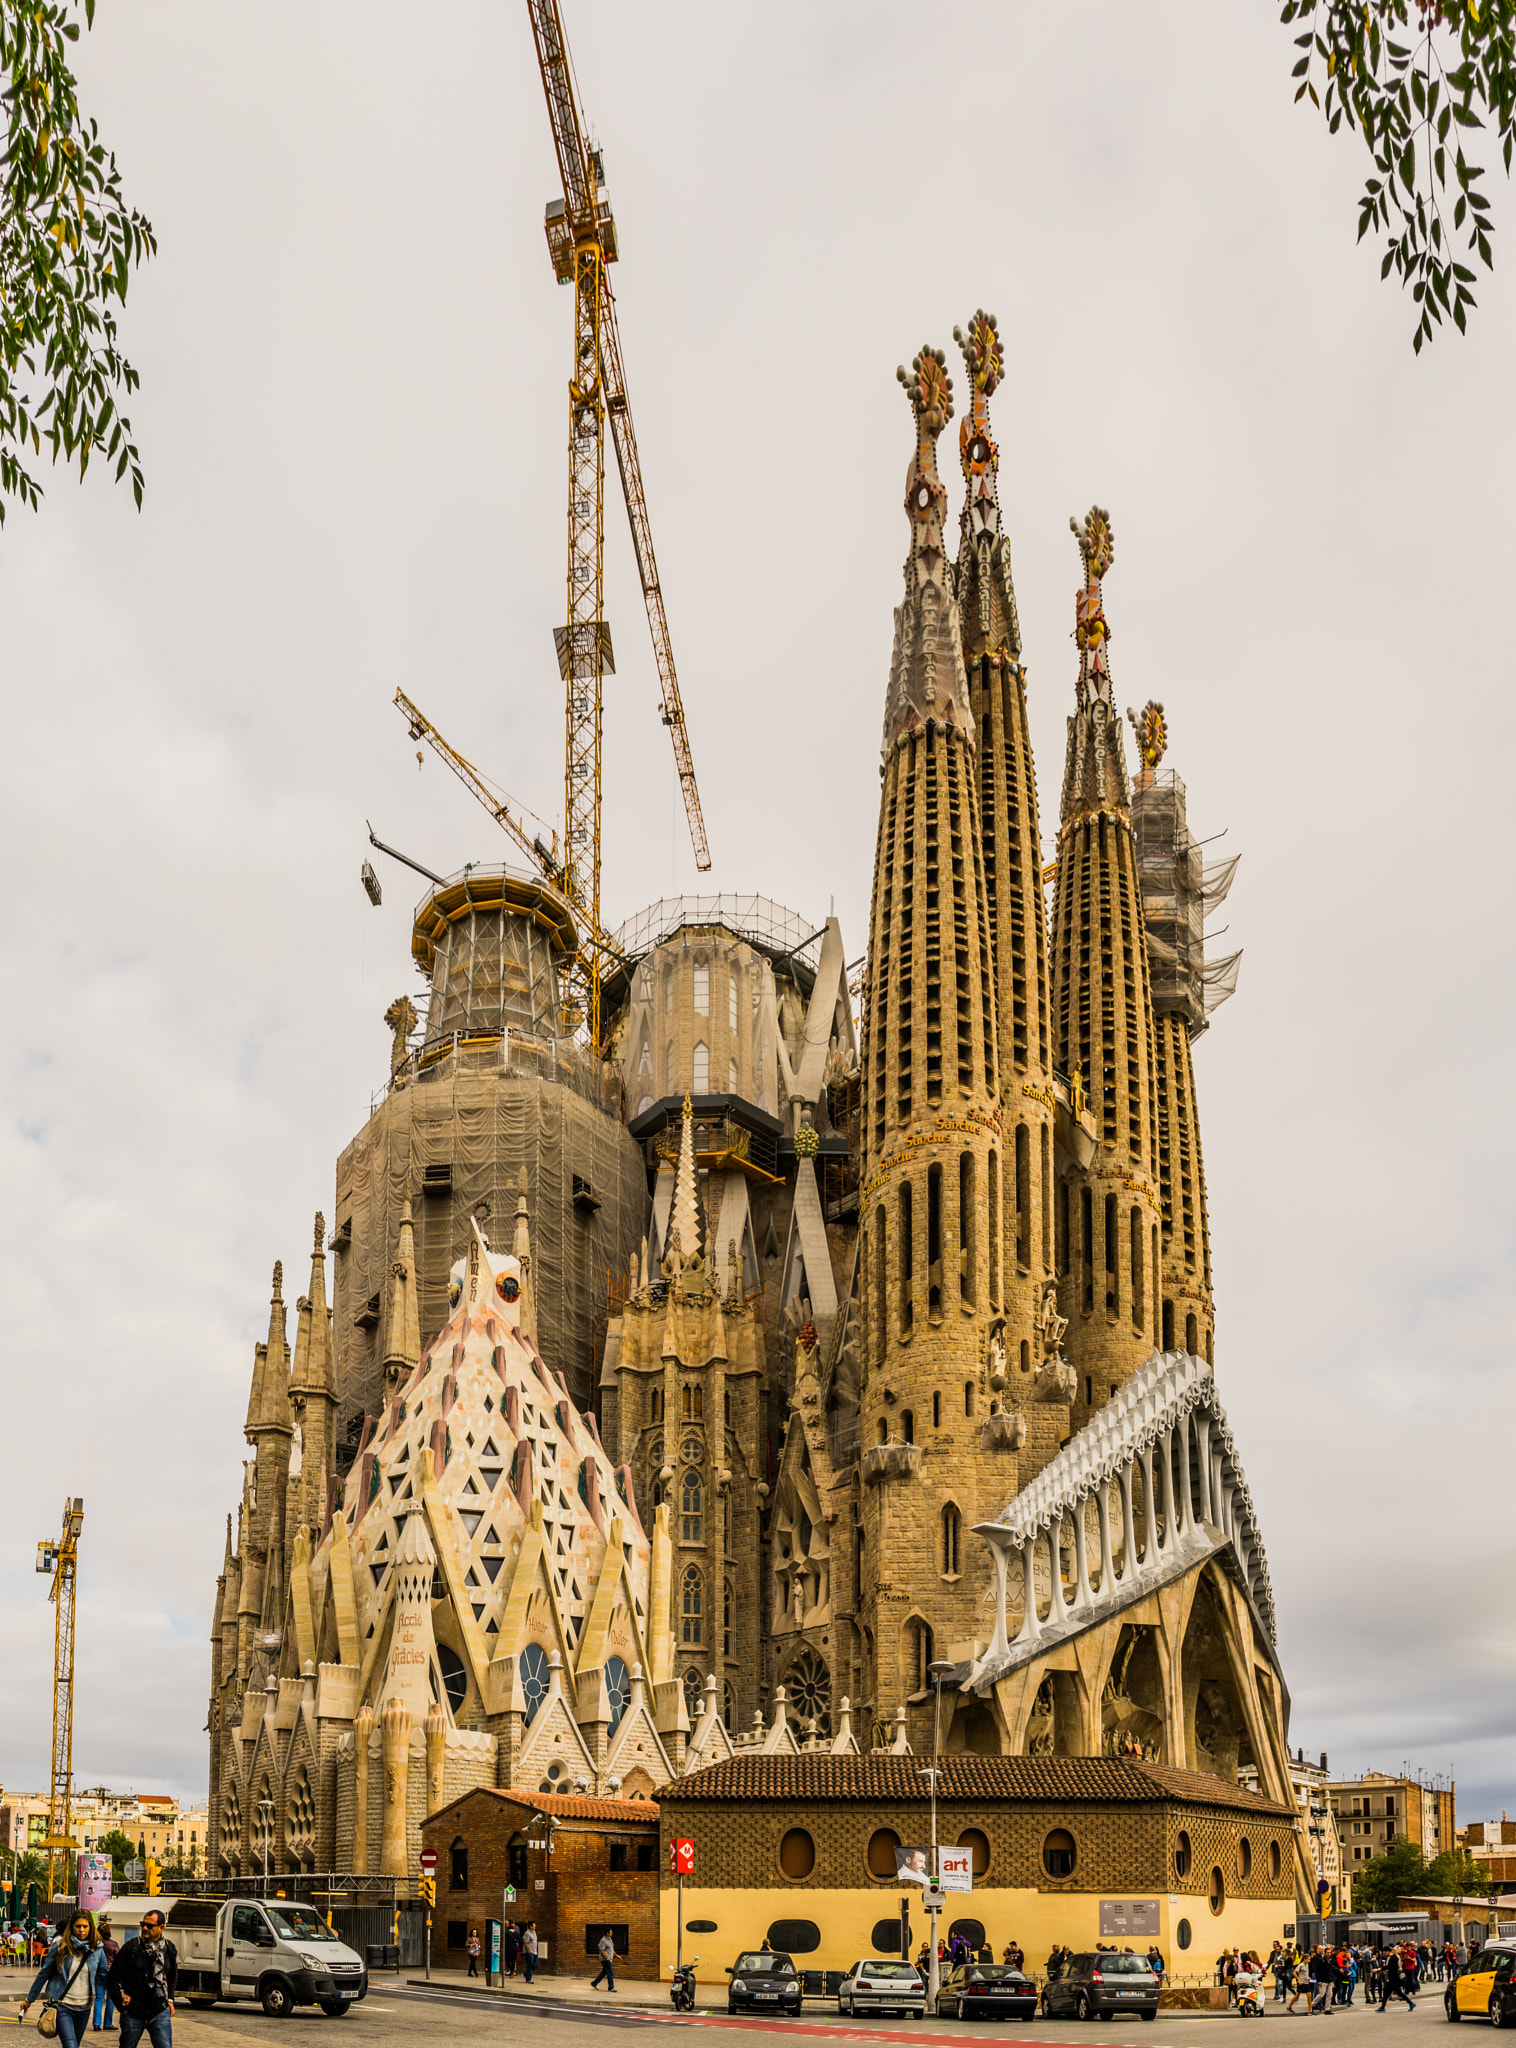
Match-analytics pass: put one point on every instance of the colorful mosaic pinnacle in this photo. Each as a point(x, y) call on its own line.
point(1152, 733)
point(984, 358)
point(930, 391)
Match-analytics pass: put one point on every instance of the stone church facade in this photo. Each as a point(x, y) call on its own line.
point(903, 1377)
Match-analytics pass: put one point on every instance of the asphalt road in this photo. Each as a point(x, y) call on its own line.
point(388, 2017)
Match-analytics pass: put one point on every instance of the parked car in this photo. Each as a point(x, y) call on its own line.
point(874, 1986)
point(1486, 1986)
point(1103, 1982)
point(992, 1989)
point(762, 1976)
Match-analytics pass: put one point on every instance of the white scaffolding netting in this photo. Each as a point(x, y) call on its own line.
point(1178, 893)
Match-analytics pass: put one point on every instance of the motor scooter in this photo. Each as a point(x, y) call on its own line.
point(682, 1990)
point(1249, 1996)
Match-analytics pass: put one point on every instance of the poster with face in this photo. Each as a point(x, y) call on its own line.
point(912, 1866)
point(94, 1883)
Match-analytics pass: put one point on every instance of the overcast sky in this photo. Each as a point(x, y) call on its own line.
point(352, 417)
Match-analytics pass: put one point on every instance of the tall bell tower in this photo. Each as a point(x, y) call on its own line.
point(931, 1206)
point(1005, 785)
point(1107, 1212)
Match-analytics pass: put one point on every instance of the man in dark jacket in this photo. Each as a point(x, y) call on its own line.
point(142, 1982)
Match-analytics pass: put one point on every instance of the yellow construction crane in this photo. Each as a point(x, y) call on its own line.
point(544, 852)
point(581, 238)
point(61, 1560)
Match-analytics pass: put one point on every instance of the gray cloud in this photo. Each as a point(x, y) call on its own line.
point(354, 364)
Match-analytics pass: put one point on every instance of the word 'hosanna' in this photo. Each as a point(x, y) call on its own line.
point(699, 1392)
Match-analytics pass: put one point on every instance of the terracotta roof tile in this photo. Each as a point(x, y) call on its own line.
point(577, 1806)
point(1046, 1778)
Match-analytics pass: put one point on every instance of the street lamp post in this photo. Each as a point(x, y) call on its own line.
point(936, 1672)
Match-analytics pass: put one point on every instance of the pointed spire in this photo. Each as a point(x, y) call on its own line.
point(320, 1371)
point(274, 1412)
point(685, 1214)
point(927, 684)
point(402, 1347)
point(1094, 775)
point(255, 1392)
point(986, 594)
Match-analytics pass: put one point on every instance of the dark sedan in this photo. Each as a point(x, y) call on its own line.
point(986, 1990)
point(763, 1980)
point(1103, 1982)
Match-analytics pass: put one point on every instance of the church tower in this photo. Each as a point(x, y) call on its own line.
point(1005, 785)
point(931, 1198)
point(1107, 1212)
point(1178, 893)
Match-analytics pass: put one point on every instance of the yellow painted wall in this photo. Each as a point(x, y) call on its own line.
point(1036, 1919)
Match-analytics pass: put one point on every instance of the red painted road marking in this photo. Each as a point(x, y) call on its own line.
point(895, 2035)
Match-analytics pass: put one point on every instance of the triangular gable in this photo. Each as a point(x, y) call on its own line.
point(637, 1743)
point(807, 1257)
point(727, 1199)
point(530, 1577)
point(615, 1590)
point(710, 1743)
point(554, 1737)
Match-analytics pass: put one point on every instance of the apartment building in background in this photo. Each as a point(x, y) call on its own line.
point(1374, 1810)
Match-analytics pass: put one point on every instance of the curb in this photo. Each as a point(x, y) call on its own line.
point(544, 1996)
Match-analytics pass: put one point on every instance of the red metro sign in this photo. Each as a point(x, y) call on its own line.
point(682, 1858)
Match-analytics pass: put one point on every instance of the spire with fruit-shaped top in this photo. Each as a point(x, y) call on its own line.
point(1006, 786)
point(926, 685)
point(402, 1341)
point(1108, 1212)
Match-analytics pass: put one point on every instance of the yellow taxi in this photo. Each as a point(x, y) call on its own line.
point(1485, 1988)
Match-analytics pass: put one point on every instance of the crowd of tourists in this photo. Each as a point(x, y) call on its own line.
point(1326, 1976)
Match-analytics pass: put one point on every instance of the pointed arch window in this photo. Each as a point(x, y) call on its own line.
point(728, 1602)
point(692, 1606)
point(731, 999)
point(691, 1511)
point(702, 1066)
point(657, 1404)
point(703, 991)
point(692, 1403)
point(952, 1541)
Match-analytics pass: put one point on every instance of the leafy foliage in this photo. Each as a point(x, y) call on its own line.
point(120, 1848)
point(68, 245)
point(1402, 1872)
point(1407, 74)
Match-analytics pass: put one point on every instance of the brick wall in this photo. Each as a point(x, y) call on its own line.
point(566, 1892)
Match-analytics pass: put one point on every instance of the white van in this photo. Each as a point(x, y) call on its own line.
point(278, 1951)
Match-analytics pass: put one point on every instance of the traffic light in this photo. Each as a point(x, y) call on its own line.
point(429, 1890)
point(154, 1881)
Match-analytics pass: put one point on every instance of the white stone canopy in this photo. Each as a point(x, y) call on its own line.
point(1166, 1424)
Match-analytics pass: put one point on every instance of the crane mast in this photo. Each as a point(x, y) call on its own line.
point(581, 236)
point(61, 1560)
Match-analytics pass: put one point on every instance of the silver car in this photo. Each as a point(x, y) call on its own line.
point(877, 1986)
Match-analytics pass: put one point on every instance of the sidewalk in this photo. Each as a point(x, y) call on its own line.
point(639, 1993)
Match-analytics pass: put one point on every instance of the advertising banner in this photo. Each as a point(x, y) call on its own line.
point(912, 1865)
point(955, 1870)
point(1128, 1919)
point(94, 1882)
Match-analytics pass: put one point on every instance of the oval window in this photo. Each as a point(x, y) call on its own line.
point(1182, 1934)
point(700, 1927)
point(978, 1841)
point(882, 1846)
point(1182, 1855)
point(1244, 1858)
point(532, 1666)
point(1218, 1890)
point(1276, 1862)
point(797, 1858)
point(1059, 1854)
point(793, 1937)
point(885, 1939)
point(972, 1932)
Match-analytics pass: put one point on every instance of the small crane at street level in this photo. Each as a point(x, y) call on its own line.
point(60, 1558)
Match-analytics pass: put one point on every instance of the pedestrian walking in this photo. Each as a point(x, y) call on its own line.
point(528, 1954)
point(1156, 1963)
point(142, 1980)
point(1014, 1955)
point(1394, 1982)
point(605, 1948)
point(71, 1966)
point(105, 2011)
point(510, 1948)
point(473, 1946)
point(1323, 1976)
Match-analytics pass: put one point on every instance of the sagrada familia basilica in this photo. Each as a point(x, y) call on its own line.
point(735, 1383)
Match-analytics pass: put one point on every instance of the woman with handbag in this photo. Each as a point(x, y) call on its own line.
point(71, 1969)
